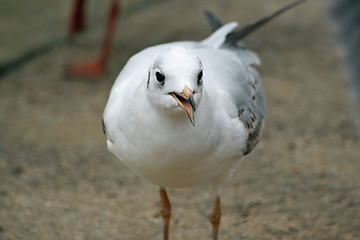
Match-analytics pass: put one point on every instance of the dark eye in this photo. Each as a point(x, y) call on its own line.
point(199, 78)
point(160, 77)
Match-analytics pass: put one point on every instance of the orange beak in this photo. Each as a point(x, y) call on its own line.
point(185, 100)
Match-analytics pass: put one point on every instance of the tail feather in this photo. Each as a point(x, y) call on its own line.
point(214, 22)
point(234, 37)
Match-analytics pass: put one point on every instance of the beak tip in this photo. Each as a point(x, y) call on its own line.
point(192, 122)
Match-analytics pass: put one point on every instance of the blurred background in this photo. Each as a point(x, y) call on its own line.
point(58, 181)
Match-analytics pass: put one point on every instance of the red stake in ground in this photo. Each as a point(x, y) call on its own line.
point(93, 68)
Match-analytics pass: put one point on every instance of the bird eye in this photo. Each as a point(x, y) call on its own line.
point(199, 78)
point(160, 77)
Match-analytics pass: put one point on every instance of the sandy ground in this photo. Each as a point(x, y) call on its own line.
point(58, 181)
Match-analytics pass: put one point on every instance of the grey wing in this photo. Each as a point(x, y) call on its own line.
point(252, 109)
point(250, 98)
point(242, 83)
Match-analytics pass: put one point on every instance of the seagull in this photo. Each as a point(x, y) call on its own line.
point(183, 114)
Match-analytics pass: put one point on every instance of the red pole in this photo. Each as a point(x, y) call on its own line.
point(110, 30)
point(96, 68)
point(77, 18)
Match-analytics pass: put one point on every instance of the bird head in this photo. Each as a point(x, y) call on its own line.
point(175, 80)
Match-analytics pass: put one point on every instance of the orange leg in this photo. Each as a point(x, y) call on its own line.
point(215, 219)
point(165, 211)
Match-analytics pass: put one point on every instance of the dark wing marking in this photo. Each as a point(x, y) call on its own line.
point(105, 131)
point(254, 124)
point(252, 109)
point(233, 37)
point(214, 22)
point(103, 126)
point(254, 136)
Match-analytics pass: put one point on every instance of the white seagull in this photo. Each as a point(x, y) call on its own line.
point(214, 82)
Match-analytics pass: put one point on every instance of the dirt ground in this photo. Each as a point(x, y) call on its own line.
point(58, 181)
